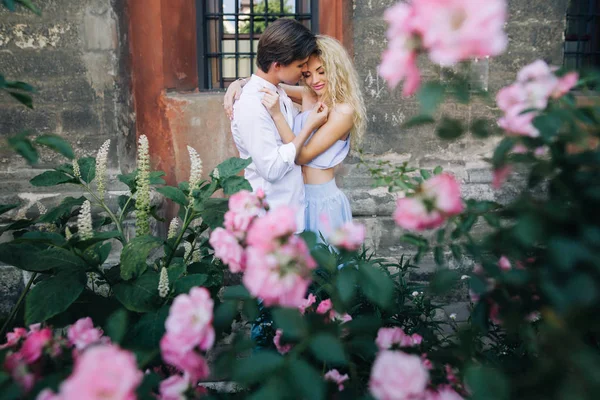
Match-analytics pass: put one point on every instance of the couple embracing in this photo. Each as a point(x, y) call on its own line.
point(294, 153)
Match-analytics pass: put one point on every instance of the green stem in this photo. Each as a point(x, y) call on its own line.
point(18, 305)
point(110, 213)
point(125, 208)
point(187, 219)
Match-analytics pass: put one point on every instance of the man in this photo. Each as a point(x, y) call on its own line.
point(283, 50)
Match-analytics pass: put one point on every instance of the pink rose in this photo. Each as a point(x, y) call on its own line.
point(324, 306)
point(461, 29)
point(190, 319)
point(12, 338)
point(281, 348)
point(307, 303)
point(349, 236)
point(411, 214)
point(228, 249)
point(444, 190)
point(19, 370)
point(268, 230)
point(47, 394)
point(565, 84)
point(174, 388)
point(504, 264)
point(34, 345)
point(335, 376)
point(388, 337)
point(399, 63)
point(82, 333)
point(183, 357)
point(244, 206)
point(500, 176)
point(397, 375)
point(444, 392)
point(103, 372)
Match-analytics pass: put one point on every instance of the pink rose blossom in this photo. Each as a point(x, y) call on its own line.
point(342, 318)
point(335, 376)
point(461, 29)
point(103, 372)
point(281, 348)
point(47, 394)
point(411, 214)
point(444, 190)
point(307, 303)
point(388, 337)
point(349, 236)
point(324, 306)
point(276, 225)
point(34, 345)
point(504, 264)
point(565, 84)
point(282, 276)
point(82, 333)
point(426, 362)
point(500, 176)
point(19, 371)
point(190, 319)
point(397, 375)
point(228, 249)
point(244, 206)
point(443, 392)
point(184, 358)
point(12, 338)
point(174, 388)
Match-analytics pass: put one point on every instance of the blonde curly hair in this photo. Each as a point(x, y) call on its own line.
point(342, 83)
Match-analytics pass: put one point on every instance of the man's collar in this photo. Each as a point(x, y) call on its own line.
point(265, 83)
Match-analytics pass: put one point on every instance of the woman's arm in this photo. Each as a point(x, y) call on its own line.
point(339, 123)
point(296, 93)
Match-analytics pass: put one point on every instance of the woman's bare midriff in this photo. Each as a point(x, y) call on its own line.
point(314, 176)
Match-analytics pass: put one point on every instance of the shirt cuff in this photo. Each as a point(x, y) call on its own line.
point(288, 153)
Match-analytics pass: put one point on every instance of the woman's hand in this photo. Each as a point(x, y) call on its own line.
point(318, 116)
point(271, 102)
point(231, 95)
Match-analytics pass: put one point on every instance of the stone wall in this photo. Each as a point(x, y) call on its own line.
point(74, 56)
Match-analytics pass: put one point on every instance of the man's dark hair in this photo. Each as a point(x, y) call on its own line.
point(284, 41)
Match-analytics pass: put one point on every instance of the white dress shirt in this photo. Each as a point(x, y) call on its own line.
point(273, 168)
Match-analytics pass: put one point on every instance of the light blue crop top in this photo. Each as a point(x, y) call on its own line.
point(330, 157)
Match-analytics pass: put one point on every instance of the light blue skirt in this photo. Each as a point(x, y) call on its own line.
point(327, 208)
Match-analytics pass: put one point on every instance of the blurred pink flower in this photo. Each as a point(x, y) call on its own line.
point(335, 376)
point(461, 29)
point(82, 333)
point(389, 337)
point(47, 394)
point(349, 236)
point(280, 276)
point(190, 319)
point(267, 231)
point(244, 206)
point(34, 344)
point(396, 375)
point(174, 388)
point(500, 176)
point(411, 214)
point(444, 191)
point(309, 301)
point(324, 306)
point(183, 357)
point(228, 249)
point(504, 264)
point(103, 372)
point(565, 84)
point(281, 348)
point(12, 338)
point(18, 369)
point(444, 392)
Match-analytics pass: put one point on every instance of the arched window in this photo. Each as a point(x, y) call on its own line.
point(229, 30)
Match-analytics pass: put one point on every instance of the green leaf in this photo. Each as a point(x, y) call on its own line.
point(290, 321)
point(225, 313)
point(63, 210)
point(21, 255)
point(232, 166)
point(256, 367)
point(346, 284)
point(174, 194)
point(328, 348)
point(51, 178)
point(186, 283)
point(149, 386)
point(87, 167)
point(52, 296)
point(487, 383)
point(135, 254)
point(548, 124)
point(116, 325)
point(431, 95)
point(250, 309)
point(24, 147)
point(156, 178)
point(57, 144)
point(443, 281)
point(450, 128)
point(502, 150)
point(148, 331)
point(306, 380)
point(310, 238)
point(50, 238)
point(376, 285)
point(99, 237)
point(480, 128)
point(22, 98)
point(18, 85)
point(61, 259)
point(414, 240)
point(129, 180)
point(213, 212)
point(419, 120)
point(139, 295)
point(237, 292)
point(234, 184)
point(438, 255)
point(28, 4)
point(438, 170)
point(456, 251)
point(425, 174)
point(325, 258)
point(7, 207)
point(126, 204)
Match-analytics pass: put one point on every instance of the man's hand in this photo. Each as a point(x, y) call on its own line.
point(318, 116)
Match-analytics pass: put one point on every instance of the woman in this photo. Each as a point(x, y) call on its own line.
point(330, 83)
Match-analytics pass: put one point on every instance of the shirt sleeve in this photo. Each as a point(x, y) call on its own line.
point(257, 130)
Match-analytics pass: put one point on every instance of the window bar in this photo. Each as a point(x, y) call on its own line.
point(281, 7)
point(266, 13)
point(220, 28)
point(314, 16)
point(237, 39)
point(298, 10)
point(201, 44)
point(251, 36)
